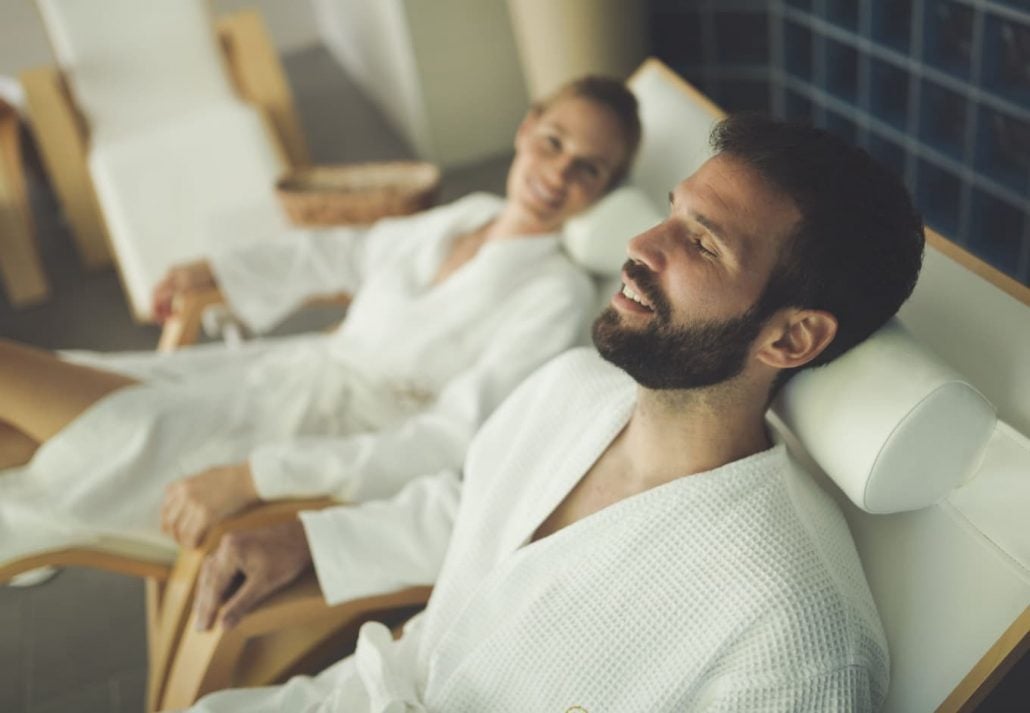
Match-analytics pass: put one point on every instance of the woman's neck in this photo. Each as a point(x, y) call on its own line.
point(511, 224)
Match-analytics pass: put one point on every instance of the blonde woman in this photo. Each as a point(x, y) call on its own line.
point(452, 309)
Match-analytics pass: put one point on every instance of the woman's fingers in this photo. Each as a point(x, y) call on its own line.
point(193, 505)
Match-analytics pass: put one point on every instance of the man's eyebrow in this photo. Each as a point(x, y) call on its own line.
point(712, 227)
point(717, 231)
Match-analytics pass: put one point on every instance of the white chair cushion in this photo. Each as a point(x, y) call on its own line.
point(596, 239)
point(176, 192)
point(892, 425)
point(676, 122)
point(131, 64)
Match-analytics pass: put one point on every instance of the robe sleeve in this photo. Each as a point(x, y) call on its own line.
point(536, 324)
point(384, 545)
point(264, 282)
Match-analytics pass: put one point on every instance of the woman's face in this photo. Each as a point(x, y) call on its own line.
point(565, 158)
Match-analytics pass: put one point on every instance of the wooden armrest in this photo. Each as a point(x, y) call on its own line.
point(294, 631)
point(176, 597)
point(263, 515)
point(302, 603)
point(282, 635)
point(146, 563)
point(183, 325)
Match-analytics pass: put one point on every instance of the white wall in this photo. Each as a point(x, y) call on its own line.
point(372, 42)
point(562, 40)
point(24, 44)
point(291, 22)
point(445, 73)
point(470, 75)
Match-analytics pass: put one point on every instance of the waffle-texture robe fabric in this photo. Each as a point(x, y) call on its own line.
point(398, 390)
point(737, 589)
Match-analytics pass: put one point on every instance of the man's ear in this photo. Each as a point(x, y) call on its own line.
point(794, 337)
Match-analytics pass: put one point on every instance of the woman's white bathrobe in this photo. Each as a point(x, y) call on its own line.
point(738, 589)
point(395, 392)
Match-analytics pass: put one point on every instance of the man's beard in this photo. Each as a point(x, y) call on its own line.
point(663, 356)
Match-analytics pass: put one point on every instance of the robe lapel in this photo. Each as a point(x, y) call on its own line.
point(577, 454)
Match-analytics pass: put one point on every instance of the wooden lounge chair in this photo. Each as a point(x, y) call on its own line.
point(163, 130)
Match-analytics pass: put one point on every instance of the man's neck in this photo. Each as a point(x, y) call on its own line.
point(676, 433)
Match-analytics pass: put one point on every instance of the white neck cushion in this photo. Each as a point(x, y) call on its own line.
point(889, 422)
point(596, 239)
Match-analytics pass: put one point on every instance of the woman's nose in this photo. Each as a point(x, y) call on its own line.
point(560, 169)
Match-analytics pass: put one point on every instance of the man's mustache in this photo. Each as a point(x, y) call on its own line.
point(647, 284)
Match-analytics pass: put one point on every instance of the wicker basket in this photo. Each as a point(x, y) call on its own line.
point(359, 193)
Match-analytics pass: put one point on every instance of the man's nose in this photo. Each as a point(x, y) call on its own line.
point(651, 247)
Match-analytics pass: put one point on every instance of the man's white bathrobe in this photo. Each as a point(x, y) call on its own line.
point(396, 391)
point(738, 589)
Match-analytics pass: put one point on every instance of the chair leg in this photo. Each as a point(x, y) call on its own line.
point(21, 268)
point(62, 143)
point(153, 593)
point(172, 614)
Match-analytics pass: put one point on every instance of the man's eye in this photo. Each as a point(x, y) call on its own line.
point(553, 142)
point(701, 246)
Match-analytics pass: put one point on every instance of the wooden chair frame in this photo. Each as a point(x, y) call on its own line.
point(63, 135)
point(21, 268)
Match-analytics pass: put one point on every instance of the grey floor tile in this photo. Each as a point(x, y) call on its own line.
point(13, 659)
point(130, 691)
point(85, 626)
point(93, 698)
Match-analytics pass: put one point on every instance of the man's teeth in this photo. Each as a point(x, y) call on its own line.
point(635, 297)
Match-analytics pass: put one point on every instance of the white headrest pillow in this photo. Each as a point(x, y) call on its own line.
point(892, 425)
point(596, 239)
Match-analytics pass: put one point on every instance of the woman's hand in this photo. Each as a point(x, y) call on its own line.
point(188, 277)
point(247, 566)
point(192, 505)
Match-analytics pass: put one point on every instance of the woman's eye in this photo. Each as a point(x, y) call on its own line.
point(589, 171)
point(553, 142)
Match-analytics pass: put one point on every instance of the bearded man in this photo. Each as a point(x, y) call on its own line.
point(630, 538)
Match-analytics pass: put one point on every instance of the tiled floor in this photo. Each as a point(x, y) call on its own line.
point(76, 644)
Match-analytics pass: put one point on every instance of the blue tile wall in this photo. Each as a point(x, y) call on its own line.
point(937, 89)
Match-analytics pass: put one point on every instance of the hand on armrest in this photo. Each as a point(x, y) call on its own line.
point(246, 567)
point(179, 301)
point(193, 505)
point(185, 282)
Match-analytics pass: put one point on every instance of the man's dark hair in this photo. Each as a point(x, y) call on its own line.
point(858, 247)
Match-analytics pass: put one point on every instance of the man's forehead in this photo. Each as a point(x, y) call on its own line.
point(727, 192)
